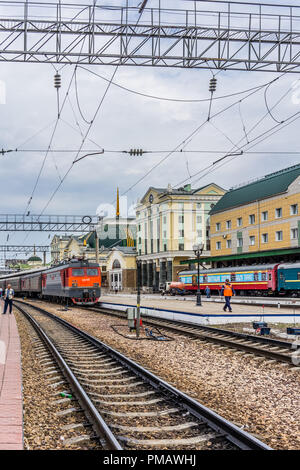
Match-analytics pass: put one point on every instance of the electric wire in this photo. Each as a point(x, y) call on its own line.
point(176, 100)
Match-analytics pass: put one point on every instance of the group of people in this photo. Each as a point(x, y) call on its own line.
point(227, 291)
point(8, 298)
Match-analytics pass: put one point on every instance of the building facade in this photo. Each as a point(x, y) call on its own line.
point(263, 216)
point(169, 222)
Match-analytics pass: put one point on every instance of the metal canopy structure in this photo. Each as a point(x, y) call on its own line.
point(24, 248)
point(215, 35)
point(47, 223)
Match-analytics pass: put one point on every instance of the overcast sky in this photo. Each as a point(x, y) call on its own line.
point(127, 121)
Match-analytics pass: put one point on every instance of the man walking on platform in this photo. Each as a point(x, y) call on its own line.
point(228, 292)
point(8, 298)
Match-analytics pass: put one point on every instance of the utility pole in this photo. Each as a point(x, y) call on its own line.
point(138, 299)
point(97, 247)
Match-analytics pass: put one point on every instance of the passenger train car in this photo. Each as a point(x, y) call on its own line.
point(77, 280)
point(265, 279)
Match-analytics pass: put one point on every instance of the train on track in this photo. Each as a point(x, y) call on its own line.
point(269, 279)
point(76, 280)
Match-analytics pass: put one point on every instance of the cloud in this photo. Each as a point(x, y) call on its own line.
point(128, 121)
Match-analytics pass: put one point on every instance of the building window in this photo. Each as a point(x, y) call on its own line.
point(264, 216)
point(165, 234)
point(278, 213)
point(165, 247)
point(294, 233)
point(279, 236)
point(294, 209)
point(199, 219)
point(265, 237)
point(199, 233)
point(181, 219)
point(181, 233)
point(165, 219)
point(218, 226)
point(140, 240)
point(228, 243)
point(239, 242)
point(139, 229)
point(239, 221)
point(198, 205)
point(181, 246)
point(218, 245)
point(228, 224)
point(252, 219)
point(252, 240)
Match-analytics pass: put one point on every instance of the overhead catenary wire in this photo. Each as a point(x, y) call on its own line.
point(188, 139)
point(86, 134)
point(175, 100)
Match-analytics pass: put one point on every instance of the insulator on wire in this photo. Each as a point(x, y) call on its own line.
point(57, 80)
point(212, 85)
point(136, 152)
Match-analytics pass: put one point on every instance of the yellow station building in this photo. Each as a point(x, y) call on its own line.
point(262, 217)
point(169, 222)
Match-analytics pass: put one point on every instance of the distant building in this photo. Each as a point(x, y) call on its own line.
point(35, 261)
point(169, 222)
point(260, 219)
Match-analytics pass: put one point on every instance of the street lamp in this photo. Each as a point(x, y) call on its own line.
point(198, 252)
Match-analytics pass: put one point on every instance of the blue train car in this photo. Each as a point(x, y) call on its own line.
point(288, 279)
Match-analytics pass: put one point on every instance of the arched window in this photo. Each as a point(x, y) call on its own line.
point(116, 264)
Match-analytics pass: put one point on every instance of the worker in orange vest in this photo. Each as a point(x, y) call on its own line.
point(228, 292)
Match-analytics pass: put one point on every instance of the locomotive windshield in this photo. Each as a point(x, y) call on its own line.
point(92, 271)
point(77, 272)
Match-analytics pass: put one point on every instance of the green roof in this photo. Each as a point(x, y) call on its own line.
point(254, 254)
point(269, 185)
point(34, 258)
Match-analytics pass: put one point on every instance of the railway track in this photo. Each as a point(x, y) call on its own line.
point(273, 349)
point(128, 406)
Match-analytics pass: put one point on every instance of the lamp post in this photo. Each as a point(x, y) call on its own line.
point(198, 252)
point(138, 300)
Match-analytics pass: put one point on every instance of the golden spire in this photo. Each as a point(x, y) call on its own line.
point(118, 204)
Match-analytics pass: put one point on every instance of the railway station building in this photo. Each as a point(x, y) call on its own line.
point(169, 222)
point(258, 222)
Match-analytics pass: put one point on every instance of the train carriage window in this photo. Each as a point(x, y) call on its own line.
point(92, 271)
point(205, 278)
point(77, 272)
point(255, 276)
point(298, 276)
point(263, 276)
point(270, 277)
point(232, 277)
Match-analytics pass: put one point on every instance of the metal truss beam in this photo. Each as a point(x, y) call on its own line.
point(24, 248)
point(226, 35)
point(47, 223)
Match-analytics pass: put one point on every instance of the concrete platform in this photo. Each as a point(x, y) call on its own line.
point(210, 312)
point(11, 402)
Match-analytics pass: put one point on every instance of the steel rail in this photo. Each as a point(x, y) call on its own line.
point(181, 327)
point(230, 431)
point(98, 423)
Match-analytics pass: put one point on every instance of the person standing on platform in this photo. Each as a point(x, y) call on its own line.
point(228, 292)
point(207, 292)
point(8, 298)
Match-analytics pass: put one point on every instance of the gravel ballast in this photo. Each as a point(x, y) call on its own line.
point(260, 395)
point(43, 427)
